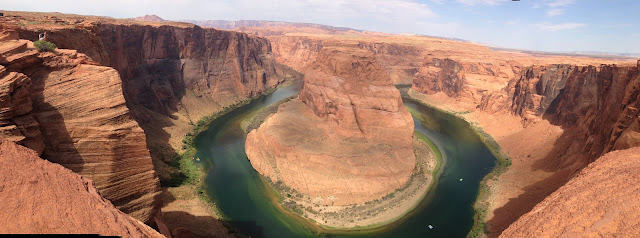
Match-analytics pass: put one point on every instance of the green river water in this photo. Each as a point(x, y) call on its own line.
point(248, 203)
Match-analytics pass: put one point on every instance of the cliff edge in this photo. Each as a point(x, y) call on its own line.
point(601, 201)
point(42, 197)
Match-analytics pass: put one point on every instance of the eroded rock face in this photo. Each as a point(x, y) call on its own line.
point(162, 64)
point(601, 201)
point(73, 112)
point(40, 197)
point(17, 123)
point(601, 102)
point(446, 77)
point(347, 140)
point(352, 90)
point(173, 74)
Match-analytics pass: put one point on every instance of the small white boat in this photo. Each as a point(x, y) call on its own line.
point(461, 180)
point(430, 226)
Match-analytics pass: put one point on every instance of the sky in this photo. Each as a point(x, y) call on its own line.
point(545, 25)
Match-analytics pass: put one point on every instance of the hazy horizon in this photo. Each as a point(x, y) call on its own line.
point(539, 25)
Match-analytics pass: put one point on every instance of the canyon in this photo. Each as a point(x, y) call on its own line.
point(346, 139)
point(568, 110)
point(119, 103)
point(115, 101)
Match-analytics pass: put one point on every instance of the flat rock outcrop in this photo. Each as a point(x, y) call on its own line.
point(601, 201)
point(42, 197)
point(73, 112)
point(347, 140)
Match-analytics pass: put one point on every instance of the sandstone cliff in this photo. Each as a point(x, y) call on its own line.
point(348, 139)
point(41, 197)
point(567, 116)
point(72, 111)
point(601, 102)
point(350, 89)
point(173, 74)
point(601, 201)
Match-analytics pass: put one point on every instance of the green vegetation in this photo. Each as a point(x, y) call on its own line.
point(44, 46)
point(33, 22)
point(482, 205)
point(435, 150)
point(188, 171)
point(502, 163)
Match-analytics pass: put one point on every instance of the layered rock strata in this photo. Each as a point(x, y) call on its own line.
point(602, 103)
point(73, 112)
point(347, 140)
point(173, 74)
point(601, 201)
point(39, 197)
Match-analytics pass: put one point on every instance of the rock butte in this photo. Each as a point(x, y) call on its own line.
point(347, 140)
point(42, 197)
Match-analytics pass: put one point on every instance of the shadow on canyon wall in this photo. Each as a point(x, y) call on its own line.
point(207, 226)
point(564, 160)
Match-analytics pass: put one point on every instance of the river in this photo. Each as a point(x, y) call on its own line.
point(248, 203)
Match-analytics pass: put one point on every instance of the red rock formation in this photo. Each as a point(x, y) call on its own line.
point(351, 140)
point(77, 109)
point(601, 201)
point(353, 91)
point(600, 102)
point(41, 197)
point(447, 78)
point(296, 52)
point(17, 123)
point(173, 74)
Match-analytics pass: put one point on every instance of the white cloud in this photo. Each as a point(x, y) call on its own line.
point(557, 7)
point(481, 2)
point(546, 26)
point(559, 3)
point(554, 12)
point(512, 22)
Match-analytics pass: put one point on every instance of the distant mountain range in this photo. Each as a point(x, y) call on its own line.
point(230, 25)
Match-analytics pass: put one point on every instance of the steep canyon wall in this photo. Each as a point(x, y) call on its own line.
point(71, 110)
point(137, 89)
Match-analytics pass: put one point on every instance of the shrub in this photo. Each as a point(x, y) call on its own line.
point(44, 46)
